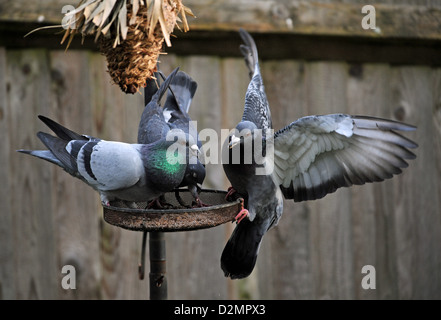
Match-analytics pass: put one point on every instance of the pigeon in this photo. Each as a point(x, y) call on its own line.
point(156, 122)
point(306, 160)
point(181, 92)
point(117, 170)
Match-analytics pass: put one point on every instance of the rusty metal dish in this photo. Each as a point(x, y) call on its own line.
point(177, 218)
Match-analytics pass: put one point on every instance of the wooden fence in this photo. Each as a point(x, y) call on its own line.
point(49, 219)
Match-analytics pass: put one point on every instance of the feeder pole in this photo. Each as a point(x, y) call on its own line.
point(157, 279)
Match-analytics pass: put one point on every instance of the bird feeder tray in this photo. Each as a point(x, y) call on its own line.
point(177, 218)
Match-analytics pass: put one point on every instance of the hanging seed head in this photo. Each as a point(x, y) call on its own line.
point(130, 33)
point(132, 62)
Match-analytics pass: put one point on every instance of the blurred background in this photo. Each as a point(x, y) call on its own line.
point(316, 58)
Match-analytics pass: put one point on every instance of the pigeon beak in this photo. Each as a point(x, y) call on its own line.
point(195, 150)
point(234, 140)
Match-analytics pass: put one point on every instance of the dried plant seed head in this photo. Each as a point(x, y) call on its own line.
point(130, 34)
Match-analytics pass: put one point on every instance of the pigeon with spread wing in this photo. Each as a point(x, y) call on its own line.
point(306, 160)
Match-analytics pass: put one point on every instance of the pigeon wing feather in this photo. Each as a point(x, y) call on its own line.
point(316, 155)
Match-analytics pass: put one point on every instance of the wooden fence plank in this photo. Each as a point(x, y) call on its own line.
point(36, 274)
point(319, 247)
point(284, 264)
point(417, 214)
point(7, 279)
point(331, 216)
point(369, 94)
point(75, 205)
point(116, 117)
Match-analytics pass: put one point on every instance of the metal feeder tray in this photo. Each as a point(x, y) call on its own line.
point(178, 218)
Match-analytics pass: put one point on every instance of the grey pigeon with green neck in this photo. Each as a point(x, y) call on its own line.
point(117, 170)
point(156, 121)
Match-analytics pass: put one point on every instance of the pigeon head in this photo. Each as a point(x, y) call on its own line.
point(166, 161)
point(243, 134)
point(198, 172)
point(195, 170)
point(194, 175)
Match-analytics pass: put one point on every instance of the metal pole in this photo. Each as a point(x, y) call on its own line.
point(158, 280)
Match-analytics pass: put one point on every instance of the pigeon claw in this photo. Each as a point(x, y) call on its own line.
point(241, 215)
point(158, 203)
point(199, 204)
point(230, 192)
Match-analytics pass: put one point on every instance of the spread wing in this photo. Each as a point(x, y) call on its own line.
point(316, 155)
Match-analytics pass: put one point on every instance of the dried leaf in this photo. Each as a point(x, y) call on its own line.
point(107, 27)
point(89, 10)
point(156, 12)
point(70, 41)
point(66, 33)
point(184, 19)
point(189, 12)
point(116, 38)
point(149, 14)
point(123, 20)
point(97, 19)
point(98, 8)
point(135, 7)
point(165, 32)
point(82, 6)
point(42, 28)
point(107, 10)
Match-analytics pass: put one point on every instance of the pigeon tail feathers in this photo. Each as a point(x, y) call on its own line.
point(43, 154)
point(240, 253)
point(183, 89)
point(58, 148)
point(164, 86)
point(61, 132)
point(249, 52)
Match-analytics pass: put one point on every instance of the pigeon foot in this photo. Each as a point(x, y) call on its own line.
point(243, 213)
point(230, 192)
point(158, 203)
point(199, 204)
